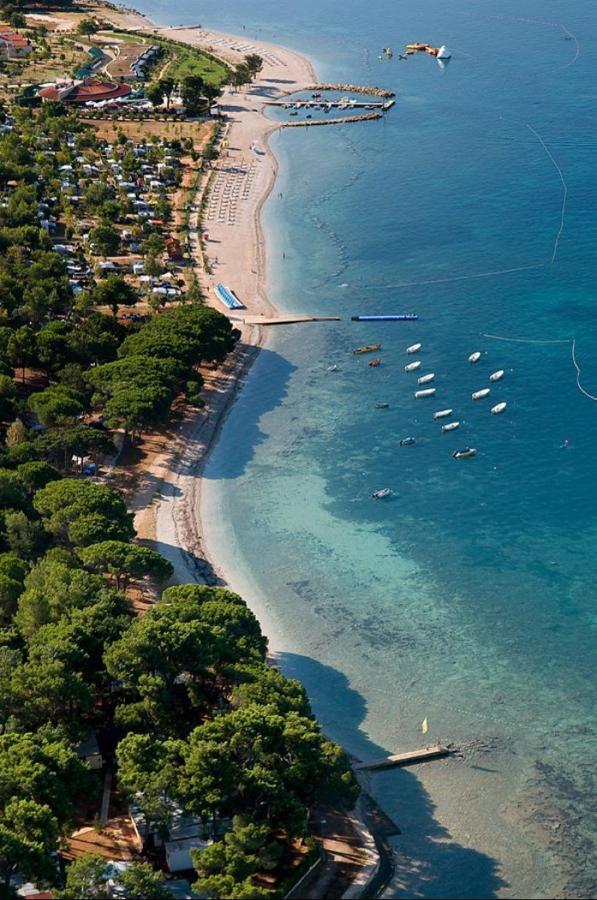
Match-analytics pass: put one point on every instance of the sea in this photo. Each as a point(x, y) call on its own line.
point(468, 597)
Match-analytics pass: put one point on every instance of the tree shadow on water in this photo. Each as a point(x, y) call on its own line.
point(429, 862)
point(259, 395)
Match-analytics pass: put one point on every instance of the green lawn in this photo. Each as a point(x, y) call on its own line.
point(192, 61)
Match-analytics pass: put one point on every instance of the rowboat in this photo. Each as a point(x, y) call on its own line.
point(419, 395)
point(425, 379)
point(495, 376)
point(474, 357)
point(381, 493)
point(368, 348)
point(478, 395)
point(375, 362)
point(498, 408)
point(412, 367)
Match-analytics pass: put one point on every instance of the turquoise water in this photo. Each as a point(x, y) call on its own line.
point(468, 598)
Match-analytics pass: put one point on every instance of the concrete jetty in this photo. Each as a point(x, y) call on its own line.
point(284, 320)
point(405, 759)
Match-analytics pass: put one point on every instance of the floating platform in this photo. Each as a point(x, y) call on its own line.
point(287, 320)
point(402, 317)
point(405, 759)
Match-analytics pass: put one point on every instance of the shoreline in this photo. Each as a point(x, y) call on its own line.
point(178, 523)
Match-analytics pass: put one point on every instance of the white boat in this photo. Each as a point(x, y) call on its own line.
point(478, 395)
point(443, 53)
point(414, 348)
point(498, 408)
point(381, 493)
point(495, 376)
point(443, 413)
point(451, 426)
point(427, 393)
point(411, 367)
point(425, 379)
point(466, 453)
point(474, 357)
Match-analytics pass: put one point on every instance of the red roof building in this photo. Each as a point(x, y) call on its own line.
point(13, 44)
point(90, 89)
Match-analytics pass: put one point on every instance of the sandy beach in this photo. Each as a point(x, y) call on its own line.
point(238, 186)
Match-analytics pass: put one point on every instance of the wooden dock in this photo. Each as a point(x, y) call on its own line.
point(405, 759)
point(286, 320)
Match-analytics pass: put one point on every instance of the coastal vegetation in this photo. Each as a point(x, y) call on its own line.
point(98, 345)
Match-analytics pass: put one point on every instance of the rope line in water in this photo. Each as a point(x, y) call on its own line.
point(577, 367)
point(564, 197)
point(499, 337)
point(571, 341)
point(463, 277)
point(575, 39)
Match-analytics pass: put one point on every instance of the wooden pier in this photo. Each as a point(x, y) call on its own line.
point(331, 104)
point(405, 759)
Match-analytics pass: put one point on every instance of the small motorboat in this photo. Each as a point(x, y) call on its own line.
point(375, 362)
point(381, 493)
point(332, 368)
point(414, 348)
point(443, 53)
point(293, 113)
point(479, 395)
point(451, 426)
point(429, 392)
point(496, 376)
point(381, 405)
point(465, 453)
point(443, 413)
point(412, 367)
point(368, 348)
point(565, 444)
point(407, 442)
point(498, 408)
point(474, 357)
point(425, 379)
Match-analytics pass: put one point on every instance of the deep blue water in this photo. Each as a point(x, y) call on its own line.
point(469, 597)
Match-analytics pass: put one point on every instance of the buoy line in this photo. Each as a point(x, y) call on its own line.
point(565, 194)
point(571, 341)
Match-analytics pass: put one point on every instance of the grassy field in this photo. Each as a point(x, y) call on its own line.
point(192, 61)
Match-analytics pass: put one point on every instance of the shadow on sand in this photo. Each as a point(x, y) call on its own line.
point(429, 863)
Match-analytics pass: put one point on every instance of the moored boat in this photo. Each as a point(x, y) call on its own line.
point(465, 453)
point(444, 53)
point(381, 405)
point(429, 392)
point(412, 367)
point(474, 357)
point(498, 408)
point(425, 379)
point(407, 442)
point(381, 493)
point(451, 426)
point(443, 413)
point(479, 395)
point(495, 376)
point(368, 348)
point(414, 348)
point(375, 362)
